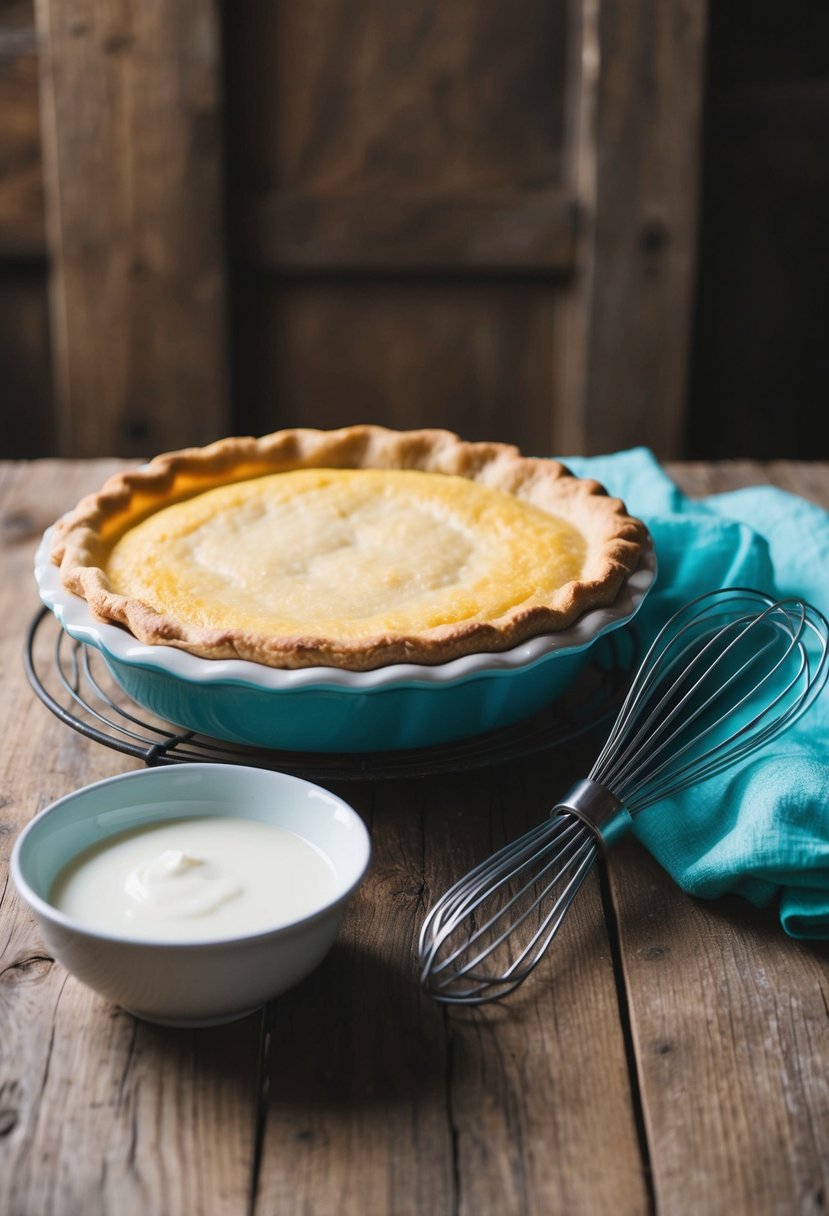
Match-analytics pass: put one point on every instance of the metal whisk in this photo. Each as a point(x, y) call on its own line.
point(728, 673)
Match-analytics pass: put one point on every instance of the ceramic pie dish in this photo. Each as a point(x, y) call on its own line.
point(330, 710)
point(274, 591)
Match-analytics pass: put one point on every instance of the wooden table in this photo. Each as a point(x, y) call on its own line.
point(670, 1055)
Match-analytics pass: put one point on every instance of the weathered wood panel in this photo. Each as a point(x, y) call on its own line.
point(26, 409)
point(21, 179)
point(530, 232)
point(131, 110)
point(760, 377)
point(26, 402)
point(730, 1029)
point(623, 350)
point(475, 356)
point(360, 96)
point(760, 373)
point(422, 193)
point(448, 148)
point(557, 145)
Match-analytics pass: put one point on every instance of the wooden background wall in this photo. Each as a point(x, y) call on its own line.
point(481, 216)
point(398, 229)
point(26, 396)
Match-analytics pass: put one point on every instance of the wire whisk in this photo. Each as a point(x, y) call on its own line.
point(729, 672)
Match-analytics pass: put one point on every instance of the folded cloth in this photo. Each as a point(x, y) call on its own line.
point(761, 829)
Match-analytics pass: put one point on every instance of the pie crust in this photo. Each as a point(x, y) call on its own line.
point(353, 548)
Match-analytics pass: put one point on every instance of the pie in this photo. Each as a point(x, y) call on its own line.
point(352, 548)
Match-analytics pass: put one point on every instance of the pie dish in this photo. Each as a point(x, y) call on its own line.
point(353, 549)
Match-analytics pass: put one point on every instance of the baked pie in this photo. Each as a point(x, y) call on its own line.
point(352, 548)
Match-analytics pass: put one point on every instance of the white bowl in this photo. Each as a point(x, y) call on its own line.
point(186, 983)
point(325, 709)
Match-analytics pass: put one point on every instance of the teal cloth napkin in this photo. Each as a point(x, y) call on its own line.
point(760, 830)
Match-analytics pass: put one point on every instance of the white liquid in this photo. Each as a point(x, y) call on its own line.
point(195, 879)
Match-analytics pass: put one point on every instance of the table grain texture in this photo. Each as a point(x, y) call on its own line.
point(670, 1056)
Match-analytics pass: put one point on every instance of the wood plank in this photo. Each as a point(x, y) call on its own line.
point(408, 195)
point(336, 97)
point(760, 381)
point(131, 105)
point(472, 356)
point(533, 1092)
point(356, 1102)
point(809, 479)
point(98, 1112)
point(21, 178)
point(531, 232)
point(406, 1107)
point(622, 354)
point(728, 1015)
point(729, 1020)
point(27, 406)
point(571, 335)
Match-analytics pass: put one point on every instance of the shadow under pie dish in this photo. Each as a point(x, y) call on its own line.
point(352, 590)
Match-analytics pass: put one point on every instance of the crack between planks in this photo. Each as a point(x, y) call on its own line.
point(450, 1114)
point(44, 1080)
point(261, 1096)
point(128, 1062)
point(424, 902)
point(626, 1021)
point(825, 1001)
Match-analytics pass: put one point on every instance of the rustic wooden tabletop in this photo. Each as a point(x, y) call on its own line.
point(669, 1056)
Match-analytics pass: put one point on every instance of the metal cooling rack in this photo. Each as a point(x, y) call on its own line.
point(73, 682)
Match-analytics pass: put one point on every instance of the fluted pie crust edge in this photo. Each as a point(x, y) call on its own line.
point(614, 540)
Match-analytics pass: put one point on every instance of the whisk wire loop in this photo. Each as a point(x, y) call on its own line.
point(667, 731)
point(690, 657)
point(551, 844)
point(575, 853)
point(712, 689)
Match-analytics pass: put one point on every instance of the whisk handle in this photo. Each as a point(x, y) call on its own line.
point(600, 809)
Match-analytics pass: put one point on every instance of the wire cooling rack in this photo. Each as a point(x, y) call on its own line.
point(73, 682)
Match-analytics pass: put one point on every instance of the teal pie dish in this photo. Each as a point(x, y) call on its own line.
point(321, 709)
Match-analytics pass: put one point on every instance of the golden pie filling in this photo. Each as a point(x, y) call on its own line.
point(354, 548)
point(346, 555)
